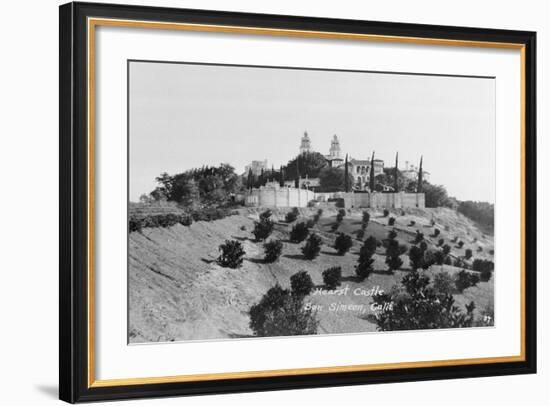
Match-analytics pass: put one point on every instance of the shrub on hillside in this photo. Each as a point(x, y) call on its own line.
point(266, 214)
point(460, 244)
point(465, 279)
point(273, 250)
point(391, 221)
point(436, 232)
point(262, 229)
point(340, 216)
point(429, 258)
point(232, 254)
point(479, 249)
point(334, 227)
point(361, 234)
point(386, 212)
point(212, 214)
point(281, 314)
point(343, 243)
point(485, 267)
point(443, 284)
point(446, 249)
point(313, 247)
point(416, 257)
point(292, 215)
point(364, 264)
point(301, 284)
point(440, 242)
point(366, 218)
point(392, 234)
point(392, 256)
point(439, 257)
point(468, 253)
point(419, 237)
point(412, 223)
point(332, 277)
point(416, 305)
point(317, 216)
point(299, 232)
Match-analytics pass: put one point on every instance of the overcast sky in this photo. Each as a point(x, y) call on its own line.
point(184, 116)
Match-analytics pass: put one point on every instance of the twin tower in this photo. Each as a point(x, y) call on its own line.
point(334, 152)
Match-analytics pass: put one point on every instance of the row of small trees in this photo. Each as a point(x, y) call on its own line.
point(419, 255)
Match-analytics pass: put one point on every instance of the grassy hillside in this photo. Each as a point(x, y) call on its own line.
point(178, 292)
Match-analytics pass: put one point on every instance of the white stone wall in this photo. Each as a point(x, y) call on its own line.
point(384, 200)
point(279, 197)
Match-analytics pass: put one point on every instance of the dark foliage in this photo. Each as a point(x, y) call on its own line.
point(343, 243)
point(391, 221)
point(232, 254)
point(201, 186)
point(468, 253)
point(416, 305)
point(313, 247)
point(332, 277)
point(273, 250)
point(262, 229)
point(392, 255)
point(419, 237)
point(310, 164)
point(299, 232)
point(465, 279)
point(364, 264)
point(443, 284)
point(301, 284)
point(485, 267)
point(136, 223)
point(481, 212)
point(416, 257)
point(279, 313)
point(292, 215)
point(334, 180)
point(386, 212)
point(340, 216)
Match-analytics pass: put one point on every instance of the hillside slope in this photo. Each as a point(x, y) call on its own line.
point(178, 292)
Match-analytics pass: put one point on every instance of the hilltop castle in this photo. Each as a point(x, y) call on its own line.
point(359, 168)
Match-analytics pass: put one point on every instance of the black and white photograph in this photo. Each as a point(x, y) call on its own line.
point(272, 201)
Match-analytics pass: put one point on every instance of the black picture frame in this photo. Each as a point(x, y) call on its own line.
point(74, 200)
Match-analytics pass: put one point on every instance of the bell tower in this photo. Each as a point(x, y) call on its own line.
point(335, 152)
point(305, 145)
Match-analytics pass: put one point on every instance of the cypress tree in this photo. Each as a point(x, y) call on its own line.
point(250, 179)
point(281, 177)
point(419, 187)
point(346, 175)
point(297, 180)
point(261, 180)
point(371, 175)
